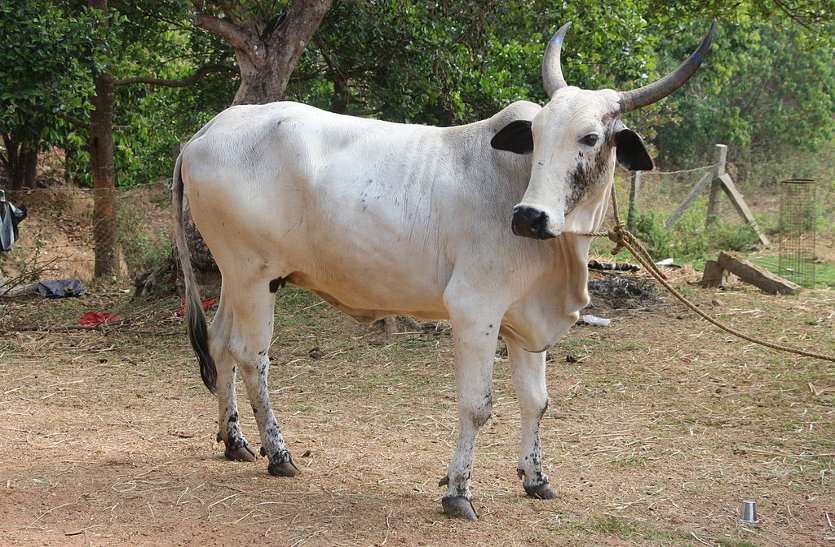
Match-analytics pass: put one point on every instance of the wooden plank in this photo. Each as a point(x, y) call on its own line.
point(721, 151)
point(721, 156)
point(741, 207)
point(634, 193)
point(759, 277)
point(688, 201)
point(713, 202)
point(713, 274)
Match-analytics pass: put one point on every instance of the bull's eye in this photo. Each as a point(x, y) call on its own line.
point(589, 140)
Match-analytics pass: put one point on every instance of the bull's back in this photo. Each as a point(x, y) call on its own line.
point(354, 208)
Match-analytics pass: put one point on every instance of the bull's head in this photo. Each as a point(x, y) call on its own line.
point(576, 139)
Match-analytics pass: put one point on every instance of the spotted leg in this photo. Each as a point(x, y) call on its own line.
point(474, 336)
point(249, 343)
point(529, 382)
point(229, 428)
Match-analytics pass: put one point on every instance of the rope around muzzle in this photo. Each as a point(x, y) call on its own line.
point(624, 239)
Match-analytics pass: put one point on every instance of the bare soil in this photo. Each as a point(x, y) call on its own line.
point(655, 435)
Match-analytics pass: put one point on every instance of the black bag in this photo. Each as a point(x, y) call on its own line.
point(10, 217)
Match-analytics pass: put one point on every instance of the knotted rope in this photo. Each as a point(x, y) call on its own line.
point(623, 238)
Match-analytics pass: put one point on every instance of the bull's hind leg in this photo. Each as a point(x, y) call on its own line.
point(229, 428)
point(529, 382)
point(252, 327)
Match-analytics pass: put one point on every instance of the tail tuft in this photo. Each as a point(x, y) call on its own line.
point(199, 336)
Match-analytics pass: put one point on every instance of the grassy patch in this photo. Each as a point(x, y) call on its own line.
point(724, 542)
point(824, 271)
point(610, 525)
point(578, 347)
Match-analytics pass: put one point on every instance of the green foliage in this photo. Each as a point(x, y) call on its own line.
point(689, 239)
point(141, 250)
point(456, 62)
point(769, 90)
point(649, 227)
point(766, 90)
point(46, 68)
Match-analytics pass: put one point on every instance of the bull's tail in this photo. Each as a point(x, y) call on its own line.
point(195, 318)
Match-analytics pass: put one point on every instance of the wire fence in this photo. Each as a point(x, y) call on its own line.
point(57, 236)
point(796, 255)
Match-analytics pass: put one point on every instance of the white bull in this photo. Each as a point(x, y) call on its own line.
point(382, 218)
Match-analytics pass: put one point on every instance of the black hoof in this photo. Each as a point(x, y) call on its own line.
point(458, 507)
point(242, 453)
point(541, 491)
point(283, 469)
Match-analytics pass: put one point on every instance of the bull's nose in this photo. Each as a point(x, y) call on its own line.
point(531, 222)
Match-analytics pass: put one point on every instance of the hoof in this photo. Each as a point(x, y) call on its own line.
point(541, 491)
point(240, 453)
point(458, 507)
point(283, 469)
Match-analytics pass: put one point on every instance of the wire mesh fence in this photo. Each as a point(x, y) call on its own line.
point(56, 238)
point(796, 252)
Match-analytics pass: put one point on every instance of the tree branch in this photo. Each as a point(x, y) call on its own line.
point(237, 37)
point(78, 122)
point(201, 72)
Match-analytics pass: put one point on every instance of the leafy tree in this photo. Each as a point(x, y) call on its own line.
point(771, 91)
point(458, 61)
point(46, 78)
point(132, 32)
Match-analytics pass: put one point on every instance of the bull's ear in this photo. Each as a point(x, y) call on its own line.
point(515, 137)
point(631, 152)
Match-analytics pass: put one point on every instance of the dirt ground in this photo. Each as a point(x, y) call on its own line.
point(655, 434)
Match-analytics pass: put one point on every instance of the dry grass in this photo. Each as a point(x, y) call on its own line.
point(654, 437)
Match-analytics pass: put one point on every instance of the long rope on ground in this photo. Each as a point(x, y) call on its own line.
point(623, 238)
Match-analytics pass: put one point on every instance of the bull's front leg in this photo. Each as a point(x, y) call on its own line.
point(475, 334)
point(529, 382)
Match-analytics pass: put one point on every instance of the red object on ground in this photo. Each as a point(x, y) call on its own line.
point(206, 304)
point(96, 318)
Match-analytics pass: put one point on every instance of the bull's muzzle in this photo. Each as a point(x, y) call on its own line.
point(531, 222)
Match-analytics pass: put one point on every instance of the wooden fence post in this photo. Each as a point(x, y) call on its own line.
point(716, 184)
point(634, 192)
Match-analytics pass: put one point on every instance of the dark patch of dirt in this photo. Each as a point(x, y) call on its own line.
point(619, 291)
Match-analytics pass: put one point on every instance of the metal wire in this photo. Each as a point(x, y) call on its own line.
point(796, 254)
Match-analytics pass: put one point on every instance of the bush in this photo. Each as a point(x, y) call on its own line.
point(689, 239)
point(142, 251)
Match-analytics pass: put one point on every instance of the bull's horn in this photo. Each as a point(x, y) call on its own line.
point(648, 94)
point(552, 78)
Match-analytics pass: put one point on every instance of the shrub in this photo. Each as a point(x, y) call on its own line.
point(142, 251)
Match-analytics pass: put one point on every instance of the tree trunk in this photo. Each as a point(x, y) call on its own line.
point(104, 186)
point(20, 161)
point(266, 61)
point(259, 84)
point(266, 58)
point(101, 168)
